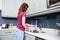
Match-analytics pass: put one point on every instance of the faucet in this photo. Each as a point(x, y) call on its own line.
point(41, 28)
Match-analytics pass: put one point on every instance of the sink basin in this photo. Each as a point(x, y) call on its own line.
point(35, 31)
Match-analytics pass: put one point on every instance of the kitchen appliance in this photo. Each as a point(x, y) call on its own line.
point(53, 3)
point(4, 26)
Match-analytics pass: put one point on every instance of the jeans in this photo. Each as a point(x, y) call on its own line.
point(19, 34)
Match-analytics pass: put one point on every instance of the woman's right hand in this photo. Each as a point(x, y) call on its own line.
point(28, 29)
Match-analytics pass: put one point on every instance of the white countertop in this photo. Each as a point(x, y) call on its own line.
point(46, 35)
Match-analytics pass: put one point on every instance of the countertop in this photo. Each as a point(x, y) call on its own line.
point(50, 34)
point(45, 35)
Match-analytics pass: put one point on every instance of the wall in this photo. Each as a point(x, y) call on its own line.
point(7, 20)
point(46, 21)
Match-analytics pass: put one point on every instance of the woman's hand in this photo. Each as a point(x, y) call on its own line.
point(30, 25)
point(28, 29)
point(34, 26)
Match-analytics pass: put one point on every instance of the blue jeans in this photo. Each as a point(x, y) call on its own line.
point(19, 34)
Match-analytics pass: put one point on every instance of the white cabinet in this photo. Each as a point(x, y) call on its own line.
point(7, 35)
point(36, 6)
point(10, 8)
point(39, 7)
point(44, 12)
point(42, 5)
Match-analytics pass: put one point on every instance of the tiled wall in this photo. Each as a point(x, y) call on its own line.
point(7, 20)
point(46, 21)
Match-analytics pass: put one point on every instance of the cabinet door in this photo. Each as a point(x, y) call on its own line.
point(36, 6)
point(6, 32)
point(7, 8)
point(32, 6)
point(29, 37)
point(10, 37)
point(41, 5)
point(7, 35)
point(10, 8)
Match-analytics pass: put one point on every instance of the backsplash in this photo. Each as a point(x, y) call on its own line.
point(7, 20)
point(46, 21)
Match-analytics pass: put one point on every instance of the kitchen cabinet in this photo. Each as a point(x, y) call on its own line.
point(39, 7)
point(10, 8)
point(31, 37)
point(7, 35)
point(44, 12)
point(50, 34)
point(36, 6)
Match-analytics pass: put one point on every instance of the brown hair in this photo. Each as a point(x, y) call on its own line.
point(23, 8)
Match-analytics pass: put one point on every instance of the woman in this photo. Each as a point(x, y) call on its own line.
point(22, 25)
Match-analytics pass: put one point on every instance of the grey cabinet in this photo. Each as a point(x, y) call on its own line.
point(6, 35)
point(29, 37)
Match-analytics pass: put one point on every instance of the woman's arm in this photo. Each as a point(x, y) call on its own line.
point(24, 23)
point(30, 25)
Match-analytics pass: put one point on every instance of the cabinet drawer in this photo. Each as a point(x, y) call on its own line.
point(6, 32)
point(7, 39)
point(10, 37)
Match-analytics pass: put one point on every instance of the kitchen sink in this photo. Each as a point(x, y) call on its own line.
point(36, 31)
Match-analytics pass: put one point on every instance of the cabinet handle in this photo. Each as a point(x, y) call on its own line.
point(7, 32)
